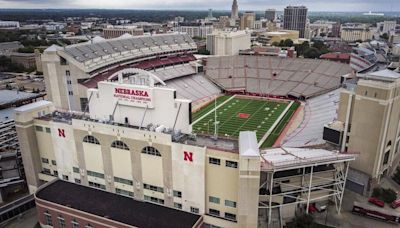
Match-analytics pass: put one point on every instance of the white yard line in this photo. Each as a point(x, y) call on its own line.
point(275, 124)
point(211, 111)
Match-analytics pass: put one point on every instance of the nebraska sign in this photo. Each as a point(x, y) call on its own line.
point(130, 96)
point(188, 156)
point(61, 133)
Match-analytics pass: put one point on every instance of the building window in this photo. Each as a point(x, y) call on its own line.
point(89, 226)
point(48, 130)
point(230, 216)
point(78, 181)
point(178, 194)
point(214, 161)
point(153, 188)
point(229, 203)
point(123, 192)
point(74, 223)
point(75, 169)
point(39, 128)
point(213, 199)
point(45, 160)
point(55, 173)
point(194, 210)
point(123, 181)
point(178, 205)
point(153, 199)
point(386, 158)
point(67, 73)
point(53, 162)
point(69, 82)
point(46, 171)
point(70, 93)
point(120, 145)
point(61, 222)
point(151, 150)
point(213, 212)
point(47, 218)
point(91, 139)
point(97, 185)
point(95, 174)
point(84, 104)
point(231, 164)
point(65, 177)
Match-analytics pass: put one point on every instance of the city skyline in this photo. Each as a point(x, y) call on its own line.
point(313, 5)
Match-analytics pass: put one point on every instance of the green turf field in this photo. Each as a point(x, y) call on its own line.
point(240, 114)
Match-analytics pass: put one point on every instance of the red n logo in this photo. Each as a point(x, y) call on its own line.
point(61, 132)
point(188, 156)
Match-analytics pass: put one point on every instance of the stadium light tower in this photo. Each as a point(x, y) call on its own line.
point(215, 118)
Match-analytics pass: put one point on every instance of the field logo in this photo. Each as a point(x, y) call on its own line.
point(61, 133)
point(243, 115)
point(188, 156)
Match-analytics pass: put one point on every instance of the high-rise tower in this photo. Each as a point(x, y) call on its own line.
point(295, 18)
point(235, 10)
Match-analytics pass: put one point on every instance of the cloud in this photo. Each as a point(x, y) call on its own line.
point(313, 5)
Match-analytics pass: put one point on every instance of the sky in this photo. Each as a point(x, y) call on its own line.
point(259, 5)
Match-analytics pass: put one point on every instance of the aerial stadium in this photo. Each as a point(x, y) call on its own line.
point(146, 118)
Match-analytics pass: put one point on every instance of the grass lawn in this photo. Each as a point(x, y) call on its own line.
point(241, 114)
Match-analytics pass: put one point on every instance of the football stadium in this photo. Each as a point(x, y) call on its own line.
point(216, 136)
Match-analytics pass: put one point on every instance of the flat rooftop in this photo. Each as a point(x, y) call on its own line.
point(281, 158)
point(9, 97)
point(115, 207)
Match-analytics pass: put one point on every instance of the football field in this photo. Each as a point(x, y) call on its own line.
point(235, 114)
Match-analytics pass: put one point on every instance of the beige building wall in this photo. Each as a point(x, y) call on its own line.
point(374, 126)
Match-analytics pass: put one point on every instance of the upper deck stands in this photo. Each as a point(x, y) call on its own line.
point(301, 78)
point(100, 52)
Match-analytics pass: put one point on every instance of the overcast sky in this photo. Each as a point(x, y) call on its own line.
point(313, 5)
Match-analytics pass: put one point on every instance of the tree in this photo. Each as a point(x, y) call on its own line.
point(303, 221)
point(275, 43)
point(312, 53)
point(384, 36)
point(301, 48)
point(288, 43)
point(387, 195)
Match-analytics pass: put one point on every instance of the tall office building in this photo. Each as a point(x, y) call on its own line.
point(270, 14)
point(235, 10)
point(295, 18)
point(247, 21)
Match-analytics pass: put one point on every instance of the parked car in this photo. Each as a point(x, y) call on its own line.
point(395, 204)
point(376, 202)
point(320, 207)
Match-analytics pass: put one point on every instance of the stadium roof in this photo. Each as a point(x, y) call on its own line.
point(115, 207)
point(283, 158)
point(385, 75)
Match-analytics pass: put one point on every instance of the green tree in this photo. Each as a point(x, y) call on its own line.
point(384, 36)
point(288, 43)
point(303, 221)
point(312, 53)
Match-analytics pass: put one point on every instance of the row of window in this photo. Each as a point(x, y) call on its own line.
point(229, 216)
point(123, 181)
point(97, 185)
point(153, 199)
point(121, 145)
point(40, 128)
point(46, 161)
point(124, 192)
point(216, 200)
point(217, 161)
point(95, 174)
point(153, 188)
point(61, 221)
